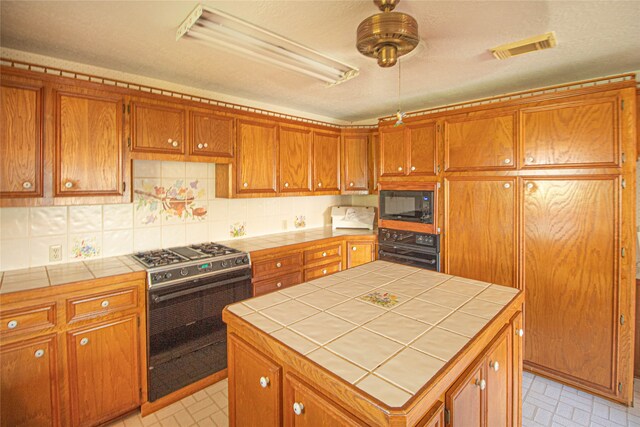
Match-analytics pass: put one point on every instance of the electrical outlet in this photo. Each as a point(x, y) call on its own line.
point(55, 253)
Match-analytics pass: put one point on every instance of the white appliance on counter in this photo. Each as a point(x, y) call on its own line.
point(352, 217)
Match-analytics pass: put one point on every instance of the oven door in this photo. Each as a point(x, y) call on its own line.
point(187, 340)
point(410, 255)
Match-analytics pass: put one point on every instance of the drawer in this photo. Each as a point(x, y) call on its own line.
point(274, 266)
point(321, 271)
point(323, 255)
point(276, 283)
point(29, 319)
point(89, 306)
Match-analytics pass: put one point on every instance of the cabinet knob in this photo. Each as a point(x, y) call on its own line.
point(507, 185)
point(413, 168)
point(298, 408)
point(84, 341)
point(12, 324)
point(320, 184)
point(286, 185)
point(399, 168)
point(351, 184)
point(201, 146)
point(26, 185)
point(68, 184)
point(530, 160)
point(278, 264)
point(104, 304)
point(245, 184)
point(353, 248)
point(39, 353)
point(507, 161)
point(174, 144)
point(206, 145)
point(324, 271)
point(482, 384)
point(264, 382)
point(520, 332)
point(279, 285)
point(529, 186)
point(324, 254)
point(494, 365)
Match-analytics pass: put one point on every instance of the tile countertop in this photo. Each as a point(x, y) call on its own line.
point(61, 274)
point(271, 241)
point(385, 328)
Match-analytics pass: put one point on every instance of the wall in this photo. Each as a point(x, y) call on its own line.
point(174, 204)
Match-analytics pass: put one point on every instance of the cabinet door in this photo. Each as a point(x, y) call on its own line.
point(480, 143)
point(465, 399)
point(480, 229)
point(88, 158)
point(257, 157)
point(157, 127)
point(392, 152)
point(21, 120)
point(359, 253)
point(29, 383)
point(104, 370)
point(517, 334)
point(211, 135)
point(295, 159)
point(304, 406)
point(582, 133)
point(571, 278)
point(356, 163)
point(326, 162)
point(255, 387)
point(499, 389)
point(422, 149)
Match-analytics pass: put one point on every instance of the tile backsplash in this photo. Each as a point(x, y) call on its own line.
point(174, 204)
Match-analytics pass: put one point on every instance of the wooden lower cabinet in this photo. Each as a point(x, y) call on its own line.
point(359, 252)
point(305, 406)
point(104, 375)
point(322, 270)
point(255, 386)
point(30, 383)
point(464, 400)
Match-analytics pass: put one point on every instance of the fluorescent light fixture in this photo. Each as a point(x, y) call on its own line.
point(234, 35)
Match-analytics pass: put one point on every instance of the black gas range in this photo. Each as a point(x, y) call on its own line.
point(187, 289)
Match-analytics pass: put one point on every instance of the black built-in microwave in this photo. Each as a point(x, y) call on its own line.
point(407, 205)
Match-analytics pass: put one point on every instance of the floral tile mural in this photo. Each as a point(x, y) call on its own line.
point(85, 247)
point(238, 229)
point(175, 199)
point(385, 299)
point(300, 221)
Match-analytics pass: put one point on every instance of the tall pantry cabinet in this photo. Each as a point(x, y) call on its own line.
point(541, 196)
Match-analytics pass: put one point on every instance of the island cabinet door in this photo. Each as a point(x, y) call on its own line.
point(465, 399)
point(255, 387)
point(499, 366)
point(304, 406)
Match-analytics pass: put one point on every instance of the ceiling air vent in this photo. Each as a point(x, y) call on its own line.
point(531, 44)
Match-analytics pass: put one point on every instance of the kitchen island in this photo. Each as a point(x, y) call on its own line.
point(379, 344)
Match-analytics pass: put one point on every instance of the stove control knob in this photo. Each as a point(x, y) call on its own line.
point(225, 264)
point(387, 235)
point(395, 236)
point(167, 276)
point(245, 260)
point(239, 260)
point(184, 271)
point(157, 277)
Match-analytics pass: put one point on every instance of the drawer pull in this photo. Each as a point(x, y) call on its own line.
point(84, 341)
point(264, 382)
point(507, 185)
point(324, 254)
point(39, 353)
point(482, 384)
point(351, 184)
point(399, 168)
point(104, 304)
point(279, 285)
point(12, 324)
point(278, 264)
point(298, 408)
point(68, 184)
point(26, 185)
point(507, 161)
point(494, 365)
point(324, 271)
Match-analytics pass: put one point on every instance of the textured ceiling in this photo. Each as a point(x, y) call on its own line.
point(595, 38)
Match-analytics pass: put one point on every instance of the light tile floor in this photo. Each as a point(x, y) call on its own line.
point(545, 404)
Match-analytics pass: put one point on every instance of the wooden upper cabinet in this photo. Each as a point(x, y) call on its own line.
point(255, 387)
point(571, 274)
point(211, 134)
point(21, 122)
point(356, 162)
point(257, 157)
point(326, 161)
point(480, 143)
point(158, 127)
point(422, 149)
point(392, 152)
point(88, 143)
point(105, 355)
point(481, 229)
point(579, 133)
point(295, 159)
point(30, 385)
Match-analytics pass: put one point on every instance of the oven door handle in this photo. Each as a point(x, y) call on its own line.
point(410, 258)
point(160, 298)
